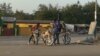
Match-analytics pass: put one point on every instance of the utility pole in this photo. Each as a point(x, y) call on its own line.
point(78, 2)
point(95, 13)
point(95, 18)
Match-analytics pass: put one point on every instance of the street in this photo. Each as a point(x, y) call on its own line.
point(17, 46)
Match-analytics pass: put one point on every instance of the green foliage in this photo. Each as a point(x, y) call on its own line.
point(46, 13)
point(20, 15)
point(72, 14)
point(6, 11)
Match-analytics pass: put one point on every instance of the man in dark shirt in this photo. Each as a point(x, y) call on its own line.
point(57, 30)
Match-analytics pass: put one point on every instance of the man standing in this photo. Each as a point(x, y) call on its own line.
point(36, 31)
point(57, 30)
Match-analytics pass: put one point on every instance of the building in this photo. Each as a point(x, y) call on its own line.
point(21, 27)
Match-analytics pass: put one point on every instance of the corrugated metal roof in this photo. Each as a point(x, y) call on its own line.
point(30, 21)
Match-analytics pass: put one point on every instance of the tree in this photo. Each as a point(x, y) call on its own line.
point(72, 13)
point(6, 9)
point(41, 13)
point(46, 12)
point(20, 15)
point(88, 10)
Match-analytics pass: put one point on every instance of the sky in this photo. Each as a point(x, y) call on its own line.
point(30, 6)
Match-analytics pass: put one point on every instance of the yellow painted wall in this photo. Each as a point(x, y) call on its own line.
point(9, 25)
point(24, 29)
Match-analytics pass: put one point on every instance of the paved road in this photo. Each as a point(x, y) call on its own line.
point(17, 46)
point(41, 50)
point(11, 40)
